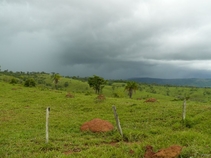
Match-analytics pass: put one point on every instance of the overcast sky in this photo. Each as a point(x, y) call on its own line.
point(114, 39)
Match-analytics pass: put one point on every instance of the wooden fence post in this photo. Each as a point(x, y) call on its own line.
point(184, 110)
point(117, 121)
point(47, 116)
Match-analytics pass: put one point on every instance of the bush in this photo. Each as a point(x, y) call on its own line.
point(30, 82)
point(88, 93)
point(66, 84)
point(13, 81)
point(48, 85)
point(116, 95)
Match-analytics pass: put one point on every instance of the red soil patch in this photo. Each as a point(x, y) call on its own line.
point(150, 100)
point(97, 125)
point(72, 151)
point(100, 98)
point(132, 152)
point(170, 152)
point(68, 152)
point(149, 152)
point(68, 95)
point(113, 143)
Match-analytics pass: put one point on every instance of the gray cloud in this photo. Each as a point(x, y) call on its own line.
point(114, 39)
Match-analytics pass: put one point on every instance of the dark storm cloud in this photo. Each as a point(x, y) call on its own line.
point(114, 39)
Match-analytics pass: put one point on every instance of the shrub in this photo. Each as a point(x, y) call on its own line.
point(66, 84)
point(88, 93)
point(13, 81)
point(30, 82)
point(116, 95)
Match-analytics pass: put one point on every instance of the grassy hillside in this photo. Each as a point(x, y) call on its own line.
point(22, 120)
point(112, 89)
point(196, 82)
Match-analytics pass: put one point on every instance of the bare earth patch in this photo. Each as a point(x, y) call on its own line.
point(72, 151)
point(150, 100)
point(100, 98)
point(69, 95)
point(170, 152)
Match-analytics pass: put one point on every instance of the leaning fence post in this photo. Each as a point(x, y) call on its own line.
point(117, 121)
point(47, 116)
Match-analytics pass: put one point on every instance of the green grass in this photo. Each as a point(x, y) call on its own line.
point(23, 112)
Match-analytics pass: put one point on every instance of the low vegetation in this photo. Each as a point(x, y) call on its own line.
point(152, 116)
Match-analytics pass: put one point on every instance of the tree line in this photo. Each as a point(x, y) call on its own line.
point(97, 83)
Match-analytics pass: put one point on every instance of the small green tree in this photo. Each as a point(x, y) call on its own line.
point(97, 83)
point(30, 82)
point(131, 87)
point(56, 77)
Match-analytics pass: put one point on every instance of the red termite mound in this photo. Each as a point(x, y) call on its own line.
point(97, 125)
point(170, 152)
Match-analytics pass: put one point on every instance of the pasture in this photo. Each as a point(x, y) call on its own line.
point(159, 124)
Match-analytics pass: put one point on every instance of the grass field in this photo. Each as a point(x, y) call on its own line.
point(23, 114)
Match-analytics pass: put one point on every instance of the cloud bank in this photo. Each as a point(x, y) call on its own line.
point(113, 39)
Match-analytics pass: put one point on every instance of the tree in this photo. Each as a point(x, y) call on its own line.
point(56, 77)
point(30, 82)
point(97, 83)
point(131, 87)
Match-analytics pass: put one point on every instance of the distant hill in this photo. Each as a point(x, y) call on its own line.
point(196, 82)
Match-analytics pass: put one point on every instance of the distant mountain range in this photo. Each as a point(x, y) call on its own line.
point(195, 82)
